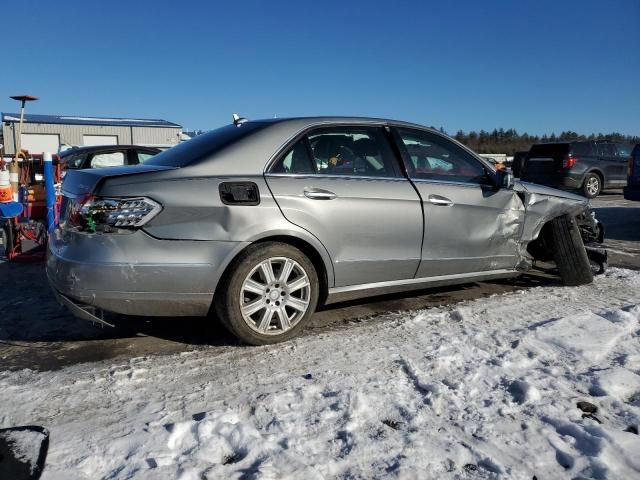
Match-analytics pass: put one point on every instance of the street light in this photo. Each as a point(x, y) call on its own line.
point(18, 144)
point(22, 99)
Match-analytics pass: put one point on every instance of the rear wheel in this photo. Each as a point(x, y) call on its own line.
point(7, 237)
point(569, 252)
point(592, 185)
point(271, 291)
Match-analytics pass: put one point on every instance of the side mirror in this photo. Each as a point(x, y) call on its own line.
point(504, 179)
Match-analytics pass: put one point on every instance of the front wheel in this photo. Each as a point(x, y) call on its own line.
point(271, 291)
point(569, 252)
point(592, 185)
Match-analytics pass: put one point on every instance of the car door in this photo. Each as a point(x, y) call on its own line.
point(344, 185)
point(470, 225)
point(623, 152)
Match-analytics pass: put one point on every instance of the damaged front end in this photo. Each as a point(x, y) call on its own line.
point(543, 204)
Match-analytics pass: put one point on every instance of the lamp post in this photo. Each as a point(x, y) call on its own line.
point(13, 170)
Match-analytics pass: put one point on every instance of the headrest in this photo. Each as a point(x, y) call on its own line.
point(366, 147)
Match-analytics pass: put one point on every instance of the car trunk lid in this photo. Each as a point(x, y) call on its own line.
point(82, 182)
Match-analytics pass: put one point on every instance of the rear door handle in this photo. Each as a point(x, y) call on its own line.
point(319, 194)
point(441, 201)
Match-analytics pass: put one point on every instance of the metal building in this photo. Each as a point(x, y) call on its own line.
point(47, 133)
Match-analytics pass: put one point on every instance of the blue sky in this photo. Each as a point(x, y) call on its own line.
point(537, 66)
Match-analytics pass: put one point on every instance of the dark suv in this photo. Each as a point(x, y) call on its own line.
point(101, 156)
point(586, 166)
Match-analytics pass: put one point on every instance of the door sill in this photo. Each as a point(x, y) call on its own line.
point(352, 292)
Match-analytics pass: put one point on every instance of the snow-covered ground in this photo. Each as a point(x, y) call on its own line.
point(482, 389)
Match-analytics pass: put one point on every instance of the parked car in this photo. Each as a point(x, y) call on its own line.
point(585, 166)
point(261, 221)
point(632, 190)
point(106, 156)
point(518, 161)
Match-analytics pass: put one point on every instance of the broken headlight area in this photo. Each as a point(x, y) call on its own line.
point(591, 229)
point(93, 214)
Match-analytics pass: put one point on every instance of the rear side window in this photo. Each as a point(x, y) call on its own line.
point(205, 145)
point(295, 161)
point(73, 161)
point(143, 157)
point(352, 151)
point(582, 149)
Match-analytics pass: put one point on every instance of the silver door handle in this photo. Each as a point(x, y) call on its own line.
point(438, 200)
point(319, 194)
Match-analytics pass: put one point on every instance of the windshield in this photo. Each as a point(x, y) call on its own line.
point(204, 145)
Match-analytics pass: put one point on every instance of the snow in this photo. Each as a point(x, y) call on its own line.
point(482, 389)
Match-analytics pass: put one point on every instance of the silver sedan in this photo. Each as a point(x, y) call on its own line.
point(258, 222)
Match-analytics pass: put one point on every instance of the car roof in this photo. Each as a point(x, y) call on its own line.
point(103, 148)
point(343, 119)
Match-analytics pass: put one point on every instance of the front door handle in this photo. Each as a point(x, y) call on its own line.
point(319, 194)
point(441, 201)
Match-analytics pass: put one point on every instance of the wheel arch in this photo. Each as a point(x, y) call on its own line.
point(596, 171)
point(310, 246)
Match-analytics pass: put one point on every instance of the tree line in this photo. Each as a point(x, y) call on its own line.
point(510, 141)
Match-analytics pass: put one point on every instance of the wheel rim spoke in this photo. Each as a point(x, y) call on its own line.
point(254, 287)
point(265, 321)
point(298, 284)
point(298, 304)
point(251, 308)
point(286, 271)
point(267, 272)
point(285, 324)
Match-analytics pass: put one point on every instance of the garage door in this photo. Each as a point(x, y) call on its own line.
point(40, 142)
point(100, 140)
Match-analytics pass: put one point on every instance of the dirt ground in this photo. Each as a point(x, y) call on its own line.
point(37, 333)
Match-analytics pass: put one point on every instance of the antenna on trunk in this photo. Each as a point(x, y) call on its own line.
point(238, 120)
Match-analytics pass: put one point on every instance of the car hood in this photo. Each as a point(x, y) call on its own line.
point(534, 188)
point(542, 204)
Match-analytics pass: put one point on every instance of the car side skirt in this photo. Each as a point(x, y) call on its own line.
point(352, 292)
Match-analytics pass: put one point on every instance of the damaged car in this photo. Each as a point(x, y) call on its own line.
point(259, 222)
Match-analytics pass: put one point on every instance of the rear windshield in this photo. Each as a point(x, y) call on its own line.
point(549, 150)
point(204, 145)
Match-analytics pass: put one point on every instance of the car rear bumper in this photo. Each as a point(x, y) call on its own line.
point(136, 274)
point(632, 193)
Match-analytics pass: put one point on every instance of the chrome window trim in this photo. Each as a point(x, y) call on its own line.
point(345, 177)
point(449, 182)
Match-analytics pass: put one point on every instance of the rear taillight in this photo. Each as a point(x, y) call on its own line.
point(97, 214)
point(630, 167)
point(569, 161)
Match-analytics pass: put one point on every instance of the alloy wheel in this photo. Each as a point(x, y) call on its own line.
point(593, 186)
point(275, 296)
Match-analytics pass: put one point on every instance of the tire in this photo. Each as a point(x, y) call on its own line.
point(7, 237)
point(569, 252)
point(282, 305)
point(592, 185)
